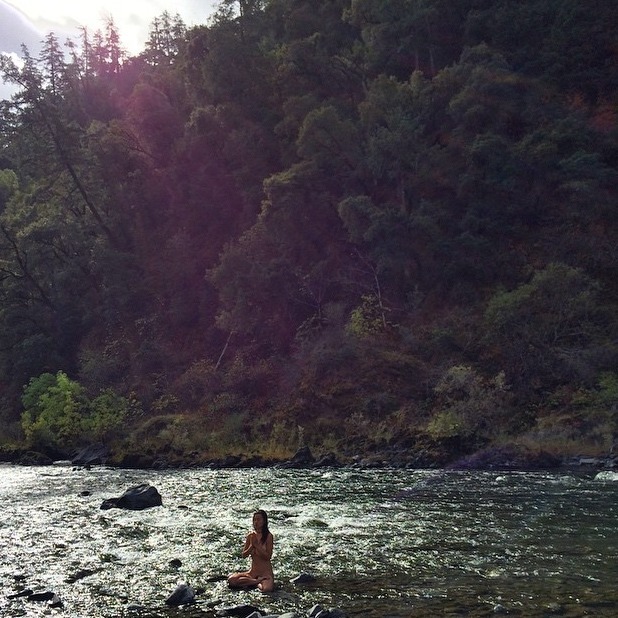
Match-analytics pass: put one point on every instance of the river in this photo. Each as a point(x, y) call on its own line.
point(380, 543)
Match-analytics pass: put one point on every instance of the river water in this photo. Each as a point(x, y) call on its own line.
point(380, 543)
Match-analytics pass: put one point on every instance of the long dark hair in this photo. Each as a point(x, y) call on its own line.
point(265, 526)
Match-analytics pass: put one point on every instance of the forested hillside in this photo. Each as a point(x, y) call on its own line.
point(354, 224)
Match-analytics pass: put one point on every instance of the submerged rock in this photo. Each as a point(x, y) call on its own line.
point(317, 611)
point(56, 602)
point(239, 611)
point(22, 593)
point(303, 578)
point(136, 498)
point(71, 579)
point(41, 596)
point(182, 595)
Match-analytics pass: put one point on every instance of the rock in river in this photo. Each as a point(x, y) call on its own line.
point(183, 595)
point(135, 498)
point(303, 578)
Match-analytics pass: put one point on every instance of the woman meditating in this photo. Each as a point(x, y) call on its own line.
point(258, 545)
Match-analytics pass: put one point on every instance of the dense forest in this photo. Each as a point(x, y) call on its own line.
point(356, 225)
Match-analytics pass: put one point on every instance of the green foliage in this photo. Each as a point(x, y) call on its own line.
point(580, 420)
point(608, 383)
point(166, 434)
point(9, 183)
point(448, 424)
point(283, 440)
point(108, 413)
point(55, 408)
point(58, 415)
point(550, 330)
point(470, 405)
point(556, 307)
point(330, 141)
point(368, 319)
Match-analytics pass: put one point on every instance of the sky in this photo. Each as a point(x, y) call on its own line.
point(29, 21)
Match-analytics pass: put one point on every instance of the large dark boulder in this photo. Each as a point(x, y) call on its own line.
point(303, 458)
point(94, 454)
point(136, 498)
point(330, 460)
point(34, 458)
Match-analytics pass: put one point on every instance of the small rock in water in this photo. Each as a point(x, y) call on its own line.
point(240, 611)
point(41, 596)
point(216, 578)
point(555, 608)
point(500, 609)
point(303, 578)
point(71, 579)
point(317, 611)
point(22, 593)
point(183, 595)
point(176, 563)
point(56, 602)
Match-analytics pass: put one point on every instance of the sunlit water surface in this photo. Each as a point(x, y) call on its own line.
point(381, 543)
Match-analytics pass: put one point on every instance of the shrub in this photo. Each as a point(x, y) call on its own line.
point(54, 410)
point(469, 404)
point(108, 413)
point(549, 331)
point(58, 414)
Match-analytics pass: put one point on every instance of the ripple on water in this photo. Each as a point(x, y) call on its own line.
point(381, 543)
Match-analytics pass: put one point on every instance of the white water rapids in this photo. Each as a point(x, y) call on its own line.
point(380, 543)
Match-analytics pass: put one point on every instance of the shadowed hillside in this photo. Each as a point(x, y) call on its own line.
point(359, 226)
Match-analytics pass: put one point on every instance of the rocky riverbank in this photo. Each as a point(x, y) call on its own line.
point(507, 457)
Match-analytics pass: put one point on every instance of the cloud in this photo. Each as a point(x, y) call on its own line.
point(133, 18)
point(28, 22)
point(15, 29)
